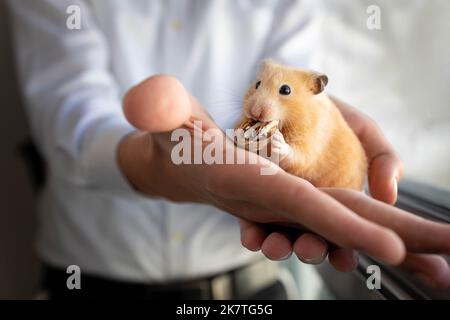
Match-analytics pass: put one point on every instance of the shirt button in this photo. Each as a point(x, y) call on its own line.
point(176, 25)
point(177, 237)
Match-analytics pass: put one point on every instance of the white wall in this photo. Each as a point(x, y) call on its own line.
point(399, 75)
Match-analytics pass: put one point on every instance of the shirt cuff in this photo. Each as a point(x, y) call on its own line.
point(101, 164)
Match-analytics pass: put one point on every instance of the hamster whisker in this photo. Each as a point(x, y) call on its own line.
point(226, 112)
point(230, 93)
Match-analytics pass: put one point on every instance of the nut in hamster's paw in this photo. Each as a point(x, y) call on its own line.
point(254, 133)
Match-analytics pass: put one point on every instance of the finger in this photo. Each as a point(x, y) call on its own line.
point(277, 246)
point(385, 167)
point(198, 113)
point(384, 173)
point(252, 234)
point(344, 260)
point(419, 235)
point(310, 248)
point(298, 201)
point(431, 270)
point(157, 104)
point(335, 222)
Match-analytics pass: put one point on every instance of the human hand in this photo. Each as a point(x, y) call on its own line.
point(145, 158)
point(385, 171)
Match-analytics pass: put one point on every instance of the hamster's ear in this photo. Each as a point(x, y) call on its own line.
point(318, 82)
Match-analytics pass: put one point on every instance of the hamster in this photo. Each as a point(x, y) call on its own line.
point(313, 141)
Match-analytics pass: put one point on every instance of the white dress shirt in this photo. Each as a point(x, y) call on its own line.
point(73, 82)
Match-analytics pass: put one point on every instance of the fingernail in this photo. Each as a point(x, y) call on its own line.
point(395, 188)
point(395, 185)
point(424, 279)
point(316, 260)
point(313, 260)
point(286, 256)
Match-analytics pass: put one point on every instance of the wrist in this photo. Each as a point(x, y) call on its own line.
point(135, 156)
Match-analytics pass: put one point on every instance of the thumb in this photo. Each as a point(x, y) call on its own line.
point(158, 104)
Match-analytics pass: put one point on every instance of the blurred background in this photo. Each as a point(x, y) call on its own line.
point(19, 267)
point(398, 74)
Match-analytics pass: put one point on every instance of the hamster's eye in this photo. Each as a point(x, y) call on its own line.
point(285, 90)
point(258, 84)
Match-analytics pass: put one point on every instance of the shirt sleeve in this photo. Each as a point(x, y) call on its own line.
point(72, 99)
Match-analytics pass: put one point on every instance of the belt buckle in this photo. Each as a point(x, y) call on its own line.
point(254, 277)
point(245, 281)
point(222, 287)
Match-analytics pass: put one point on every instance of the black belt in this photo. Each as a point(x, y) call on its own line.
point(239, 283)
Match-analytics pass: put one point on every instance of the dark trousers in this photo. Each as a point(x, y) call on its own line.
point(95, 287)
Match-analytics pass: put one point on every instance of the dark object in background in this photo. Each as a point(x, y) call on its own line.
point(243, 283)
point(422, 199)
point(34, 162)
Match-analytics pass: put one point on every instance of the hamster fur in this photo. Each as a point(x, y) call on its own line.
point(318, 144)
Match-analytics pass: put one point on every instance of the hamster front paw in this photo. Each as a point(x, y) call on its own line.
point(281, 152)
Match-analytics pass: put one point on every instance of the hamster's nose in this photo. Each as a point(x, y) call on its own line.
point(263, 113)
point(255, 112)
